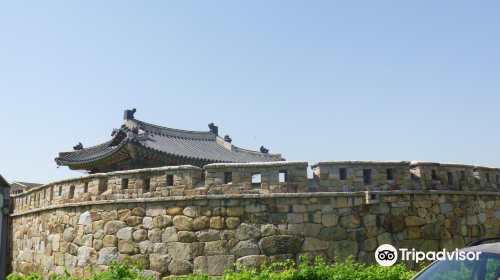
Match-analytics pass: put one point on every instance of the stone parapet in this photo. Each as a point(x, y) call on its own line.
point(452, 176)
point(340, 176)
point(271, 177)
point(141, 183)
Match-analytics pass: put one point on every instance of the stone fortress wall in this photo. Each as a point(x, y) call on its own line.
point(178, 220)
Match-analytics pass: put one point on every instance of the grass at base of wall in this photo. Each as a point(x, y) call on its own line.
point(307, 270)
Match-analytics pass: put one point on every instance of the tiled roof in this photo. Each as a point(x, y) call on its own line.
point(26, 184)
point(194, 145)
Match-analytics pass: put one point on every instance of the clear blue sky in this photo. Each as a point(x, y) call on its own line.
point(313, 80)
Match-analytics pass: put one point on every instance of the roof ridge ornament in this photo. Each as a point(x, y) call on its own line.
point(213, 128)
point(129, 114)
point(227, 138)
point(78, 147)
point(264, 150)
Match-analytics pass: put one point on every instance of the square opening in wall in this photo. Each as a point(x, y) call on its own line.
point(462, 175)
point(373, 196)
point(498, 179)
point(170, 180)
point(390, 174)
point(146, 185)
point(283, 176)
point(450, 178)
point(59, 191)
point(487, 177)
point(124, 184)
point(228, 177)
point(86, 187)
point(343, 174)
point(434, 175)
point(71, 192)
point(103, 185)
point(256, 181)
point(367, 176)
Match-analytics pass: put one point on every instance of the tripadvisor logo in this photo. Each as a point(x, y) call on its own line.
point(387, 255)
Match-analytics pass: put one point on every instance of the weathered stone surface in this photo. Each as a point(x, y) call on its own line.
point(213, 248)
point(127, 246)
point(280, 244)
point(186, 236)
point(245, 248)
point(112, 227)
point(329, 220)
point(154, 235)
point(71, 249)
point(269, 229)
point(356, 234)
point(217, 223)
point(160, 248)
point(446, 208)
point(185, 251)
point(311, 230)
point(214, 265)
point(201, 222)
point(192, 211)
point(182, 222)
point(174, 211)
point(107, 255)
point(314, 244)
point(156, 210)
point(139, 212)
point(252, 262)
point(414, 221)
point(392, 223)
point(169, 235)
point(110, 241)
point(208, 235)
point(433, 231)
point(411, 233)
point(162, 221)
point(232, 222)
point(332, 234)
point(342, 249)
point(125, 233)
point(351, 221)
point(147, 222)
point(369, 245)
point(159, 262)
point(85, 256)
point(180, 267)
point(245, 232)
point(140, 235)
point(85, 219)
point(69, 234)
point(295, 228)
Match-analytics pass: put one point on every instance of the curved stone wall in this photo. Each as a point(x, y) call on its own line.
point(173, 222)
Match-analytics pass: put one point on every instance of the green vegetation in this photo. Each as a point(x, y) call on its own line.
point(348, 270)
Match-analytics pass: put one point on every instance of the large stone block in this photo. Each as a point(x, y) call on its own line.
point(280, 244)
point(392, 223)
point(182, 222)
point(245, 232)
point(185, 251)
point(252, 262)
point(245, 248)
point(314, 244)
point(156, 210)
point(332, 234)
point(214, 265)
point(112, 227)
point(107, 255)
point(180, 267)
point(159, 262)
